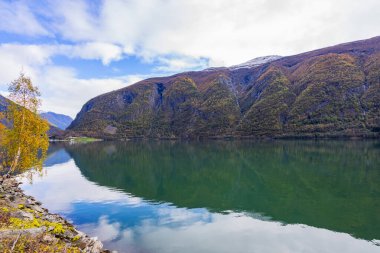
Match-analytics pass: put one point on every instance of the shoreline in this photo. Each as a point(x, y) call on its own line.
point(24, 224)
point(232, 138)
point(92, 137)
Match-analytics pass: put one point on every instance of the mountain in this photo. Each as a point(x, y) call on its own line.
point(53, 131)
point(256, 62)
point(59, 120)
point(330, 92)
point(3, 103)
point(3, 107)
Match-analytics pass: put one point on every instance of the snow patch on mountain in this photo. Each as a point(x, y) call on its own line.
point(256, 62)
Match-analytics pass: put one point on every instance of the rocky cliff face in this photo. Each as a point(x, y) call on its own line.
point(329, 92)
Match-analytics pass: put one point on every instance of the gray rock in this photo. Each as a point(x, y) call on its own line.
point(95, 247)
point(54, 218)
point(11, 193)
point(48, 238)
point(23, 215)
point(37, 208)
point(30, 231)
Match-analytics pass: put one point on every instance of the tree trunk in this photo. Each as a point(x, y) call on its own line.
point(15, 160)
point(18, 154)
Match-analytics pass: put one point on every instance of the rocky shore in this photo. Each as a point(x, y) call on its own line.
point(25, 226)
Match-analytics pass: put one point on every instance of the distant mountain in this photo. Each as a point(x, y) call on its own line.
point(3, 103)
point(59, 120)
point(330, 92)
point(53, 131)
point(3, 107)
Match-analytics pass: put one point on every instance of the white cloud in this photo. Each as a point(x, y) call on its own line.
point(172, 35)
point(224, 32)
point(80, 189)
point(105, 52)
point(180, 63)
point(62, 91)
point(74, 14)
point(228, 233)
point(104, 229)
point(15, 58)
point(17, 17)
point(67, 93)
point(223, 233)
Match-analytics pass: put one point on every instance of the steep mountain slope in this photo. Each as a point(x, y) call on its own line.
point(59, 120)
point(329, 92)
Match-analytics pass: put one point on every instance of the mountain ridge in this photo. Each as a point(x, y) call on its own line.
point(256, 62)
point(329, 92)
point(59, 120)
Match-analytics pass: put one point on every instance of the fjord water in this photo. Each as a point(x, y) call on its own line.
point(218, 196)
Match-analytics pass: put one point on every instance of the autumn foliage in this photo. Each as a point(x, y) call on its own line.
point(25, 142)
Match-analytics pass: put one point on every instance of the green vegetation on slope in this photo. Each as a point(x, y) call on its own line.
point(329, 92)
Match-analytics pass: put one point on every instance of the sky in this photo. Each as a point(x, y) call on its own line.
point(74, 50)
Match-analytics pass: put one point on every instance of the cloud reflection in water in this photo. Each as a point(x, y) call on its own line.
point(131, 224)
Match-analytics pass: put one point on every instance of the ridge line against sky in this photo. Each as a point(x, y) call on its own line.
point(77, 49)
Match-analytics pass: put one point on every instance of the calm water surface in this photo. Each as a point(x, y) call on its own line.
point(218, 196)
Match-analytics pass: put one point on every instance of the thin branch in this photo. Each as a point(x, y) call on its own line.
point(15, 242)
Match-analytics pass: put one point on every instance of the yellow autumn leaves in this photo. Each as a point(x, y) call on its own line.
point(23, 145)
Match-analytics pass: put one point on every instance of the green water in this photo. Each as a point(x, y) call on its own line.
point(329, 185)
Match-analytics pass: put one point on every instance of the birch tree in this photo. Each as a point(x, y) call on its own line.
point(26, 141)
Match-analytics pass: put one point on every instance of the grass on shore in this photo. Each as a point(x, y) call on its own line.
point(83, 139)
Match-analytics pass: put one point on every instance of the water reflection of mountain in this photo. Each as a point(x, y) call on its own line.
point(332, 185)
point(56, 154)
